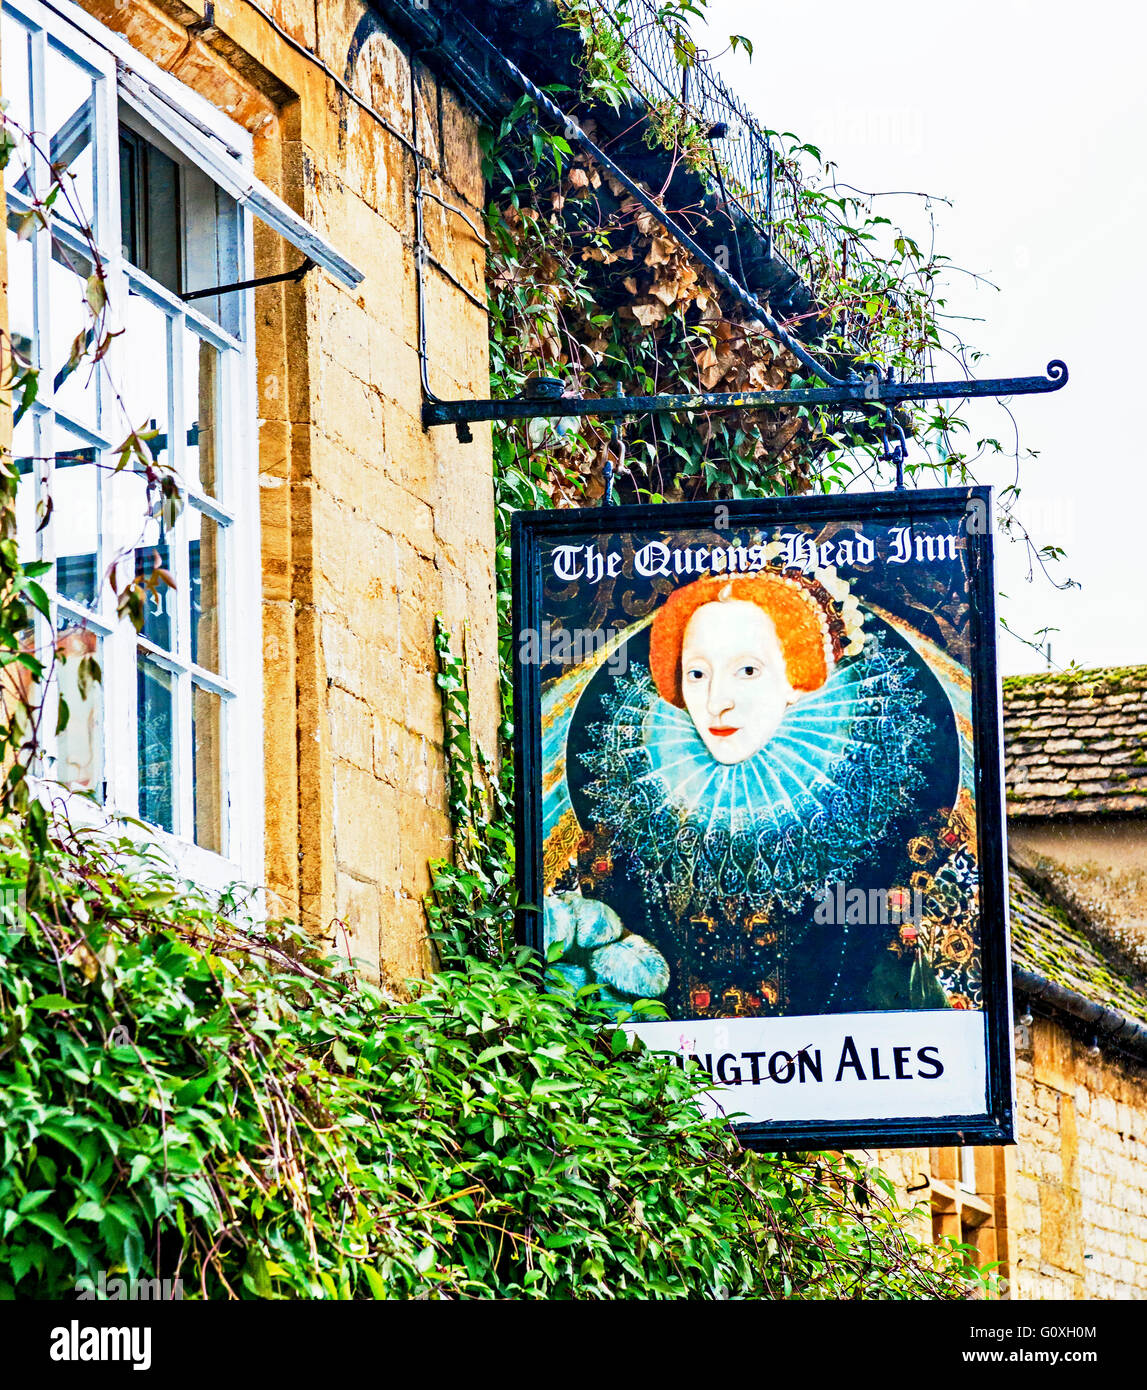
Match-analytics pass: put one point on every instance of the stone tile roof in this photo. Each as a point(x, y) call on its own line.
point(1075, 743)
point(1047, 942)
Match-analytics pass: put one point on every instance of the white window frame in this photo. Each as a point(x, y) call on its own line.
point(220, 147)
point(111, 61)
point(966, 1169)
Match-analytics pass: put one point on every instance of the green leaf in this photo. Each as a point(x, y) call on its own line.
point(36, 596)
point(95, 292)
point(59, 1233)
point(156, 901)
point(189, 1094)
point(256, 1275)
point(55, 1002)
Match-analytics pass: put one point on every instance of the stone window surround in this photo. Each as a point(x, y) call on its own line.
point(962, 1197)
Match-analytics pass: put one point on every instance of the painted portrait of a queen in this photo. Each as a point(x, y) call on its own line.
point(734, 781)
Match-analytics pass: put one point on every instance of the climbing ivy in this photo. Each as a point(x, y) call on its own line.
point(191, 1095)
point(585, 285)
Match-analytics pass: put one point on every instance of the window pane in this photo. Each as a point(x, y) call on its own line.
point(130, 518)
point(145, 375)
point(160, 206)
point(69, 97)
point(211, 247)
point(201, 410)
point(207, 767)
point(204, 536)
point(150, 210)
point(131, 231)
point(159, 605)
point(75, 383)
point(79, 746)
point(75, 493)
point(23, 457)
point(21, 311)
point(15, 82)
point(156, 741)
point(131, 534)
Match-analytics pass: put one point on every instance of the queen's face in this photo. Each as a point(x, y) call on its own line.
point(733, 678)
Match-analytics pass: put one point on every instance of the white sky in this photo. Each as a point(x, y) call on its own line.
point(1032, 119)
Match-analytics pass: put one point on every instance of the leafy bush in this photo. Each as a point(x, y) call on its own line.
point(188, 1098)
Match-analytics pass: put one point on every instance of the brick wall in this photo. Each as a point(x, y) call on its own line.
point(370, 526)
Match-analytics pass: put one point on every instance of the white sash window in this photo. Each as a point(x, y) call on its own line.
point(172, 734)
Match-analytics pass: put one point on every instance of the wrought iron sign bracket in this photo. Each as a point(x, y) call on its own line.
point(861, 394)
point(544, 399)
point(897, 453)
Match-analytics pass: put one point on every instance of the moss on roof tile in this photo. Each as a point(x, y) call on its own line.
point(1079, 726)
point(1047, 942)
point(1115, 679)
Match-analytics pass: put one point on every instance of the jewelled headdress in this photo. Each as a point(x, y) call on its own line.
point(817, 621)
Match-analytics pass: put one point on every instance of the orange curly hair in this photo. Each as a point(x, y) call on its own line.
point(800, 611)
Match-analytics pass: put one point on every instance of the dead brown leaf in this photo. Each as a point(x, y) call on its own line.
point(660, 251)
point(649, 314)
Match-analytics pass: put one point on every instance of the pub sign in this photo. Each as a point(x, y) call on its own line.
point(759, 782)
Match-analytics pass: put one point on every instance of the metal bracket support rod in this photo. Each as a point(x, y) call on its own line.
point(572, 131)
point(856, 395)
point(296, 274)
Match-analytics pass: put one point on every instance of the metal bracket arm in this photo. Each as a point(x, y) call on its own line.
point(544, 399)
point(296, 274)
point(855, 395)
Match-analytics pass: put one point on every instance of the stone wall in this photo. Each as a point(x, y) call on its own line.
point(1078, 1204)
point(1064, 1211)
point(370, 525)
point(908, 1169)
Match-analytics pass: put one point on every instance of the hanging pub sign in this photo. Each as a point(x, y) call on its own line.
point(758, 767)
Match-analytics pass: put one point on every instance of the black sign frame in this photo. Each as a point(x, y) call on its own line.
point(531, 530)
